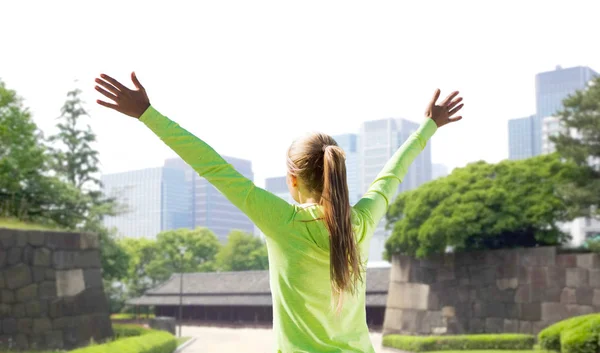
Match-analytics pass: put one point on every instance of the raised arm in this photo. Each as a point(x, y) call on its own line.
point(266, 210)
point(375, 202)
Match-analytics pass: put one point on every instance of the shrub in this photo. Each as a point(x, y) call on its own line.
point(550, 337)
point(129, 316)
point(582, 338)
point(129, 330)
point(150, 342)
point(461, 342)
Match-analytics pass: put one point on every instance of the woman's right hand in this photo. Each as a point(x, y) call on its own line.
point(444, 113)
point(129, 102)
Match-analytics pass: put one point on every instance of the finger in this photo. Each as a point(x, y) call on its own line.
point(455, 119)
point(453, 111)
point(449, 98)
point(436, 95)
point(108, 105)
point(454, 102)
point(136, 82)
point(108, 86)
point(106, 93)
point(114, 82)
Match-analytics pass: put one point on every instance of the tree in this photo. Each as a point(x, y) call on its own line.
point(201, 247)
point(75, 161)
point(242, 252)
point(142, 265)
point(579, 142)
point(482, 206)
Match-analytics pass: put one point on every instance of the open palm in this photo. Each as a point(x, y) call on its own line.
point(443, 113)
point(127, 101)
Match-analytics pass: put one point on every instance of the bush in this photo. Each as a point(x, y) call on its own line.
point(149, 342)
point(129, 316)
point(583, 338)
point(461, 342)
point(125, 330)
point(550, 338)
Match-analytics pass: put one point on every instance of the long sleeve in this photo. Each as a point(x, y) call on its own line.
point(267, 211)
point(375, 202)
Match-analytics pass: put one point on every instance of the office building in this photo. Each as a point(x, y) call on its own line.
point(349, 143)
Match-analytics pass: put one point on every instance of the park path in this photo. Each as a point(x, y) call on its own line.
point(241, 340)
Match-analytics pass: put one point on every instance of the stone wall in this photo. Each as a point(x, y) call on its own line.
point(51, 291)
point(521, 290)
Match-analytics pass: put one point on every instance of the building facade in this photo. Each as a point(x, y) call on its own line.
point(379, 140)
point(155, 201)
point(349, 143)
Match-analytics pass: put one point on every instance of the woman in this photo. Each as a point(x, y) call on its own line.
point(318, 249)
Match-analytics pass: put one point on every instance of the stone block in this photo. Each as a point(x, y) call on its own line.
point(511, 326)
point(566, 260)
point(392, 322)
point(28, 293)
point(41, 326)
point(63, 241)
point(7, 296)
point(400, 270)
point(7, 238)
point(588, 261)
point(64, 260)
point(92, 277)
point(28, 252)
point(5, 310)
point(54, 339)
point(553, 312)
point(577, 277)
point(92, 301)
point(71, 282)
point(36, 238)
point(36, 341)
point(433, 301)
point(3, 255)
point(42, 257)
point(556, 276)
point(48, 289)
point(538, 326)
point(482, 275)
point(408, 296)
point(494, 325)
point(507, 271)
point(9, 326)
point(88, 259)
point(25, 326)
point(512, 310)
point(596, 300)
point(585, 295)
point(64, 322)
point(448, 311)
point(39, 273)
point(18, 311)
point(89, 241)
point(539, 257)
point(20, 239)
point(577, 310)
point(477, 325)
point(422, 275)
point(14, 256)
point(553, 294)
point(463, 294)
point(479, 309)
point(37, 308)
point(594, 278)
point(525, 327)
point(495, 309)
point(523, 294)
point(531, 311)
point(50, 274)
point(568, 296)
point(2, 281)
point(21, 341)
point(507, 283)
point(445, 274)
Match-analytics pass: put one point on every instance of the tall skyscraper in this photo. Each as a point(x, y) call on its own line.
point(278, 186)
point(209, 207)
point(379, 140)
point(552, 87)
point(156, 200)
point(550, 127)
point(349, 143)
point(525, 135)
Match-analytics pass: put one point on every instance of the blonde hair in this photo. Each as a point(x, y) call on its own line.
point(320, 164)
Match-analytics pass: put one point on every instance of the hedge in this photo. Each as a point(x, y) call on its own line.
point(148, 341)
point(553, 337)
point(129, 316)
point(460, 342)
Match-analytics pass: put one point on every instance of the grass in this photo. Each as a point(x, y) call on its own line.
point(12, 223)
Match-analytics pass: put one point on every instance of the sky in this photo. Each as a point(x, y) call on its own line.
point(250, 76)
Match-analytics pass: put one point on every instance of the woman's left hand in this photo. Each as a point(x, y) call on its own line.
point(129, 102)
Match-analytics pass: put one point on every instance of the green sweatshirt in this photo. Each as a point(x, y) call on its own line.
point(298, 246)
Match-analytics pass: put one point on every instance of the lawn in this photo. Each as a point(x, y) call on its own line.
point(12, 223)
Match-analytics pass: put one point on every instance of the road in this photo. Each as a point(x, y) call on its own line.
point(241, 340)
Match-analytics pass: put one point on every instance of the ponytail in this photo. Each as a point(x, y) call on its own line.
point(345, 266)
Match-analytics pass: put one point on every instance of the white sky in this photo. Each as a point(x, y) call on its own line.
point(249, 76)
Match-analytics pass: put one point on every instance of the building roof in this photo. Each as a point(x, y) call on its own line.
point(248, 288)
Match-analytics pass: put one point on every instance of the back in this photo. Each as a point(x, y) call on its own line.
point(303, 318)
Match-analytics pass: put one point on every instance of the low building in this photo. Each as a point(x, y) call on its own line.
point(241, 298)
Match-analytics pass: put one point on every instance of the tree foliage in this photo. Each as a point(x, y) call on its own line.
point(482, 206)
point(580, 143)
point(243, 252)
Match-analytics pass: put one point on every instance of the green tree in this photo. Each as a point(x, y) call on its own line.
point(581, 114)
point(482, 206)
point(75, 161)
point(242, 252)
point(142, 267)
point(201, 247)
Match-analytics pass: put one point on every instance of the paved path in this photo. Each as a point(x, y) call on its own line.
point(241, 340)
